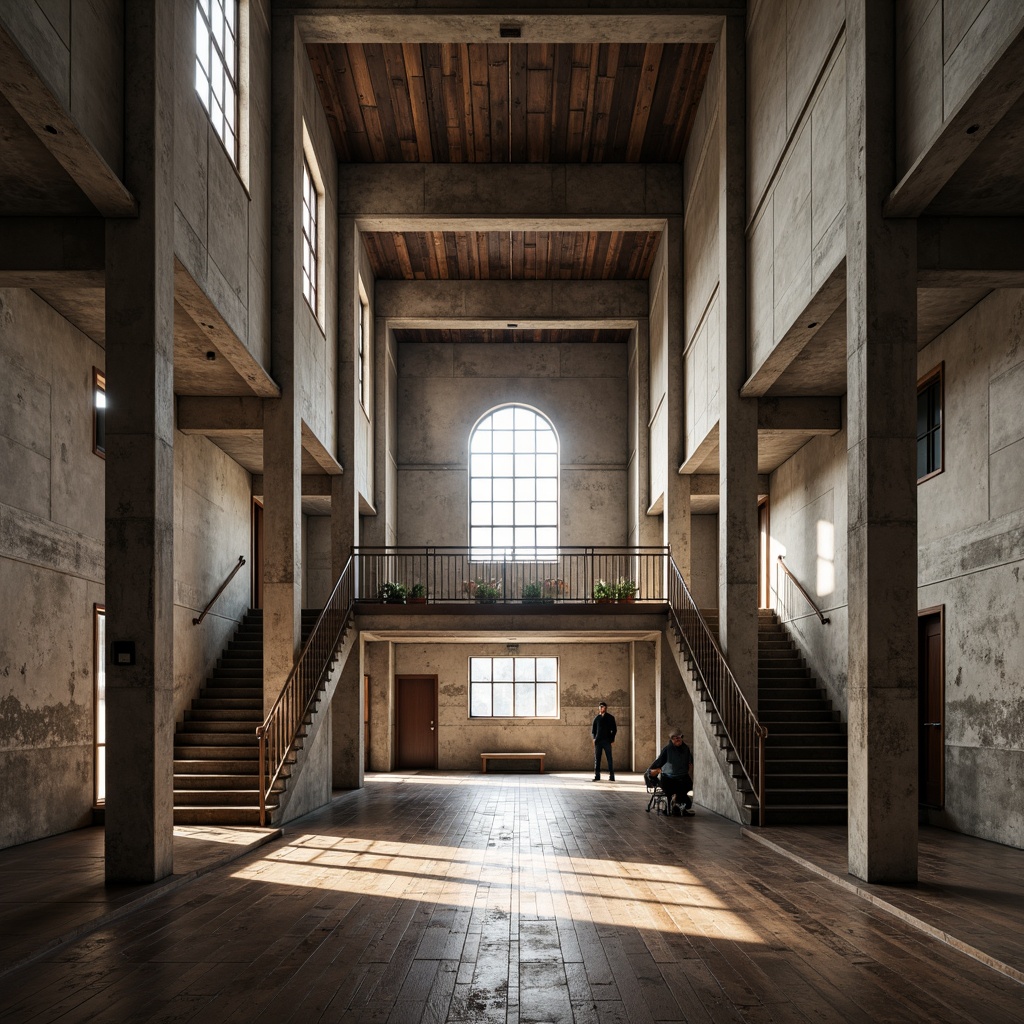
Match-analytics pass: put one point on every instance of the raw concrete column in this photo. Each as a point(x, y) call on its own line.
point(881, 325)
point(737, 516)
point(282, 433)
point(644, 529)
point(140, 466)
point(676, 513)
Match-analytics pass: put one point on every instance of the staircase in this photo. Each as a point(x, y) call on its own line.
point(216, 769)
point(805, 753)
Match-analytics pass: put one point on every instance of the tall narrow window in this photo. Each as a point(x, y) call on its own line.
point(100, 704)
point(930, 455)
point(217, 68)
point(99, 413)
point(513, 486)
point(513, 687)
point(310, 236)
point(361, 354)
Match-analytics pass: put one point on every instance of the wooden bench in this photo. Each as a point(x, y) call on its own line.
point(508, 755)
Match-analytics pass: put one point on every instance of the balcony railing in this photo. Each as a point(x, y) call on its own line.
point(568, 574)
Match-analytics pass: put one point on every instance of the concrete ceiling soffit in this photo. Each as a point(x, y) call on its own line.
point(494, 304)
point(45, 115)
point(970, 252)
point(52, 252)
point(458, 634)
point(510, 197)
point(682, 21)
point(313, 485)
point(314, 447)
point(963, 132)
point(203, 329)
point(704, 492)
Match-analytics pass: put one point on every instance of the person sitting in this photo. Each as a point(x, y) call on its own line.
point(675, 764)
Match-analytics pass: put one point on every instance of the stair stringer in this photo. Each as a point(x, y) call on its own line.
point(729, 799)
point(304, 789)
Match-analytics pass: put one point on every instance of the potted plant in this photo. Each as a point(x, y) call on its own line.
point(553, 589)
point(487, 592)
point(533, 593)
point(625, 591)
point(418, 594)
point(392, 593)
point(604, 592)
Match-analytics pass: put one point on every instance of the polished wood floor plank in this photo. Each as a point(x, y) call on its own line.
point(438, 898)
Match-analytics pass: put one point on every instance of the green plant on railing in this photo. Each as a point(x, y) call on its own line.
point(604, 591)
point(554, 588)
point(533, 593)
point(392, 593)
point(486, 591)
point(625, 590)
point(418, 594)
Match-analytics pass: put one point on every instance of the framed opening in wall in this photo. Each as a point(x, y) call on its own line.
point(257, 553)
point(931, 748)
point(99, 674)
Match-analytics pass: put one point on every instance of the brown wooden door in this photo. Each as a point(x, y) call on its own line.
point(416, 721)
point(931, 740)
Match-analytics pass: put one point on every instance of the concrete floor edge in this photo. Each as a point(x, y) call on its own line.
point(915, 922)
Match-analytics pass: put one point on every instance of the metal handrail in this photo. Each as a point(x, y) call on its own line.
point(807, 597)
point(280, 730)
point(511, 575)
point(220, 590)
point(745, 734)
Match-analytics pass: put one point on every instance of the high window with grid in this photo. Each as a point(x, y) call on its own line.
point(513, 687)
point(310, 235)
point(929, 425)
point(513, 486)
point(217, 67)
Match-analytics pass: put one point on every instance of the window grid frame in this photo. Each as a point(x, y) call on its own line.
point(217, 63)
point(310, 237)
point(933, 382)
point(362, 350)
point(534, 550)
point(515, 682)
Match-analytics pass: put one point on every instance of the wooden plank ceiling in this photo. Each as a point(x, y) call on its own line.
point(511, 103)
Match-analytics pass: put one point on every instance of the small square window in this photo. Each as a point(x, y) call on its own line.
point(99, 413)
point(513, 687)
point(930, 449)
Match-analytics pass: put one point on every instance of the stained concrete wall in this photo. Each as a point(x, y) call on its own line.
point(363, 444)
point(317, 578)
point(703, 581)
point(77, 50)
point(51, 569)
point(658, 376)
point(943, 48)
point(444, 389)
point(971, 562)
point(796, 168)
point(222, 213)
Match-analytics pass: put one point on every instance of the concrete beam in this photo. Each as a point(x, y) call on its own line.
point(214, 416)
point(345, 21)
point(312, 486)
point(800, 415)
point(510, 197)
point(438, 304)
point(970, 252)
point(312, 446)
point(706, 485)
point(55, 128)
point(46, 251)
point(962, 132)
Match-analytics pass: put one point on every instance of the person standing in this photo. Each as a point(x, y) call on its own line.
point(676, 765)
point(603, 731)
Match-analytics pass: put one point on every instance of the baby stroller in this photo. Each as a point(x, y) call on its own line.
point(658, 798)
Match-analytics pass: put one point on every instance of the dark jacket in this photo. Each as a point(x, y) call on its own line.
point(604, 727)
point(674, 761)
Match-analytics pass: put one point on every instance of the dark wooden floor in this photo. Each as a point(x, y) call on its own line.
point(513, 899)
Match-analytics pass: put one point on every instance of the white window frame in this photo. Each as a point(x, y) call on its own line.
point(363, 349)
point(221, 30)
point(312, 224)
point(501, 482)
point(518, 673)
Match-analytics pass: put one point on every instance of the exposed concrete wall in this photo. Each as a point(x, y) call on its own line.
point(51, 568)
point(211, 529)
point(658, 376)
point(317, 576)
point(363, 441)
point(944, 47)
point(77, 49)
point(971, 561)
point(222, 214)
point(796, 170)
point(588, 673)
point(442, 391)
point(808, 520)
point(703, 581)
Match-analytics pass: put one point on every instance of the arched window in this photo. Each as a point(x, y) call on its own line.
point(513, 486)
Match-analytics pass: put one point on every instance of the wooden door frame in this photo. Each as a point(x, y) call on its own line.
point(940, 610)
point(398, 739)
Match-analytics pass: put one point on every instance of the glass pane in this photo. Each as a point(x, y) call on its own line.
point(525, 441)
point(525, 537)
point(504, 419)
point(480, 670)
point(547, 536)
point(503, 670)
point(480, 514)
point(922, 457)
point(547, 700)
point(504, 489)
point(526, 513)
point(503, 700)
point(526, 490)
point(525, 668)
point(547, 490)
point(480, 490)
point(525, 419)
point(480, 465)
point(547, 465)
point(480, 699)
point(502, 465)
point(936, 451)
point(526, 699)
point(502, 537)
point(922, 412)
point(547, 669)
point(546, 441)
point(503, 441)
point(525, 464)
point(547, 514)
point(480, 536)
point(481, 440)
point(503, 513)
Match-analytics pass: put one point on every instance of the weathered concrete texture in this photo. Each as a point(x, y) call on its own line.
point(588, 673)
point(647, 692)
point(710, 785)
point(317, 575)
point(312, 788)
point(703, 581)
point(347, 733)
